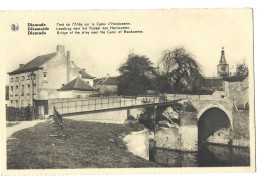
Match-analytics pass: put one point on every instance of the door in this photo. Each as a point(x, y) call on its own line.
point(41, 111)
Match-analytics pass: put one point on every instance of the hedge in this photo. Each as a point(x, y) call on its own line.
point(18, 114)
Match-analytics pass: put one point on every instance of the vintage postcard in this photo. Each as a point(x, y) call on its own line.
point(127, 91)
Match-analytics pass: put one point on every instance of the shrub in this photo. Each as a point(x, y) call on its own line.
point(18, 114)
point(146, 118)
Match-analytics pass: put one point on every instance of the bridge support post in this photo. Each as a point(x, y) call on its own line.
point(182, 136)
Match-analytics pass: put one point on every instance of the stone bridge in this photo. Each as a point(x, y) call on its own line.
point(194, 123)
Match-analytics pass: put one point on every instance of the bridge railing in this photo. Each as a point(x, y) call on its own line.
point(101, 103)
point(189, 97)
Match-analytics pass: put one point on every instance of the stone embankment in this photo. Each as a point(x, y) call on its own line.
point(138, 143)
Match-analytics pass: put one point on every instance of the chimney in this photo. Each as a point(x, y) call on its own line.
point(68, 66)
point(61, 49)
point(20, 65)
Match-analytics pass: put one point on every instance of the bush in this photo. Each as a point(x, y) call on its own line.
point(18, 114)
point(146, 118)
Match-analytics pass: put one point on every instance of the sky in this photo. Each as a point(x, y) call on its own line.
point(202, 32)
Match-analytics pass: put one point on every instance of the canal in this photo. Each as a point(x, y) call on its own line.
point(208, 156)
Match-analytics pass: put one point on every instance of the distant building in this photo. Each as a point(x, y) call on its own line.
point(40, 78)
point(213, 83)
point(86, 77)
point(223, 67)
point(76, 88)
point(108, 85)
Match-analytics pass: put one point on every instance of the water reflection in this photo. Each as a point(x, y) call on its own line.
point(207, 156)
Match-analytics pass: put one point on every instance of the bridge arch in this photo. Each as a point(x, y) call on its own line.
point(219, 106)
point(212, 118)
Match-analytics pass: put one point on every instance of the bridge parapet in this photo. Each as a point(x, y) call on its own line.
point(217, 95)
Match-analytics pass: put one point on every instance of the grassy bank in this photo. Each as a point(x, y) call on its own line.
point(85, 145)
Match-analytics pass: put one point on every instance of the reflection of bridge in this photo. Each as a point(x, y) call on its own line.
point(211, 115)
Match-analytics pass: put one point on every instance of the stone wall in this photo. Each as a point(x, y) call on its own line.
point(238, 92)
point(184, 136)
point(138, 143)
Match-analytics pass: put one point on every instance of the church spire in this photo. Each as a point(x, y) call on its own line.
point(222, 59)
point(223, 67)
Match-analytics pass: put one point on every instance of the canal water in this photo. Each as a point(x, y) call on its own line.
point(208, 156)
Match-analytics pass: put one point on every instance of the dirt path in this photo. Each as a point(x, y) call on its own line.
point(20, 126)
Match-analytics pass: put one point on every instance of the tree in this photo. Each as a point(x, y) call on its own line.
point(241, 71)
point(147, 118)
point(137, 75)
point(239, 75)
point(181, 71)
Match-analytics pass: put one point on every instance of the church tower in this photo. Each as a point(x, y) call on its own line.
point(223, 67)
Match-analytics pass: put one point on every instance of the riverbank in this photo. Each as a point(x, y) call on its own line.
point(85, 145)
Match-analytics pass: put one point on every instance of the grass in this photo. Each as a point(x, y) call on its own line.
point(85, 145)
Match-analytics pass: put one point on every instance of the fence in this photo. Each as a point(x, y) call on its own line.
point(57, 117)
point(65, 106)
point(101, 103)
point(188, 97)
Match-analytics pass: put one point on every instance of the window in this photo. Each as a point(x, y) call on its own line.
point(45, 76)
point(11, 103)
point(11, 90)
point(12, 79)
point(28, 89)
point(34, 89)
point(22, 103)
point(22, 90)
point(17, 79)
point(28, 77)
point(16, 103)
point(16, 90)
point(22, 78)
point(28, 102)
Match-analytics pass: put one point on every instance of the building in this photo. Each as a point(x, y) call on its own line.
point(223, 67)
point(76, 88)
point(40, 78)
point(107, 85)
point(87, 77)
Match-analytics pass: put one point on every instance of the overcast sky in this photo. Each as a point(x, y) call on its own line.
point(201, 32)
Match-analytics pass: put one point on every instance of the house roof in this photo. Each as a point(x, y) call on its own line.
point(107, 81)
point(77, 84)
point(85, 75)
point(33, 64)
point(99, 81)
point(111, 81)
point(212, 82)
